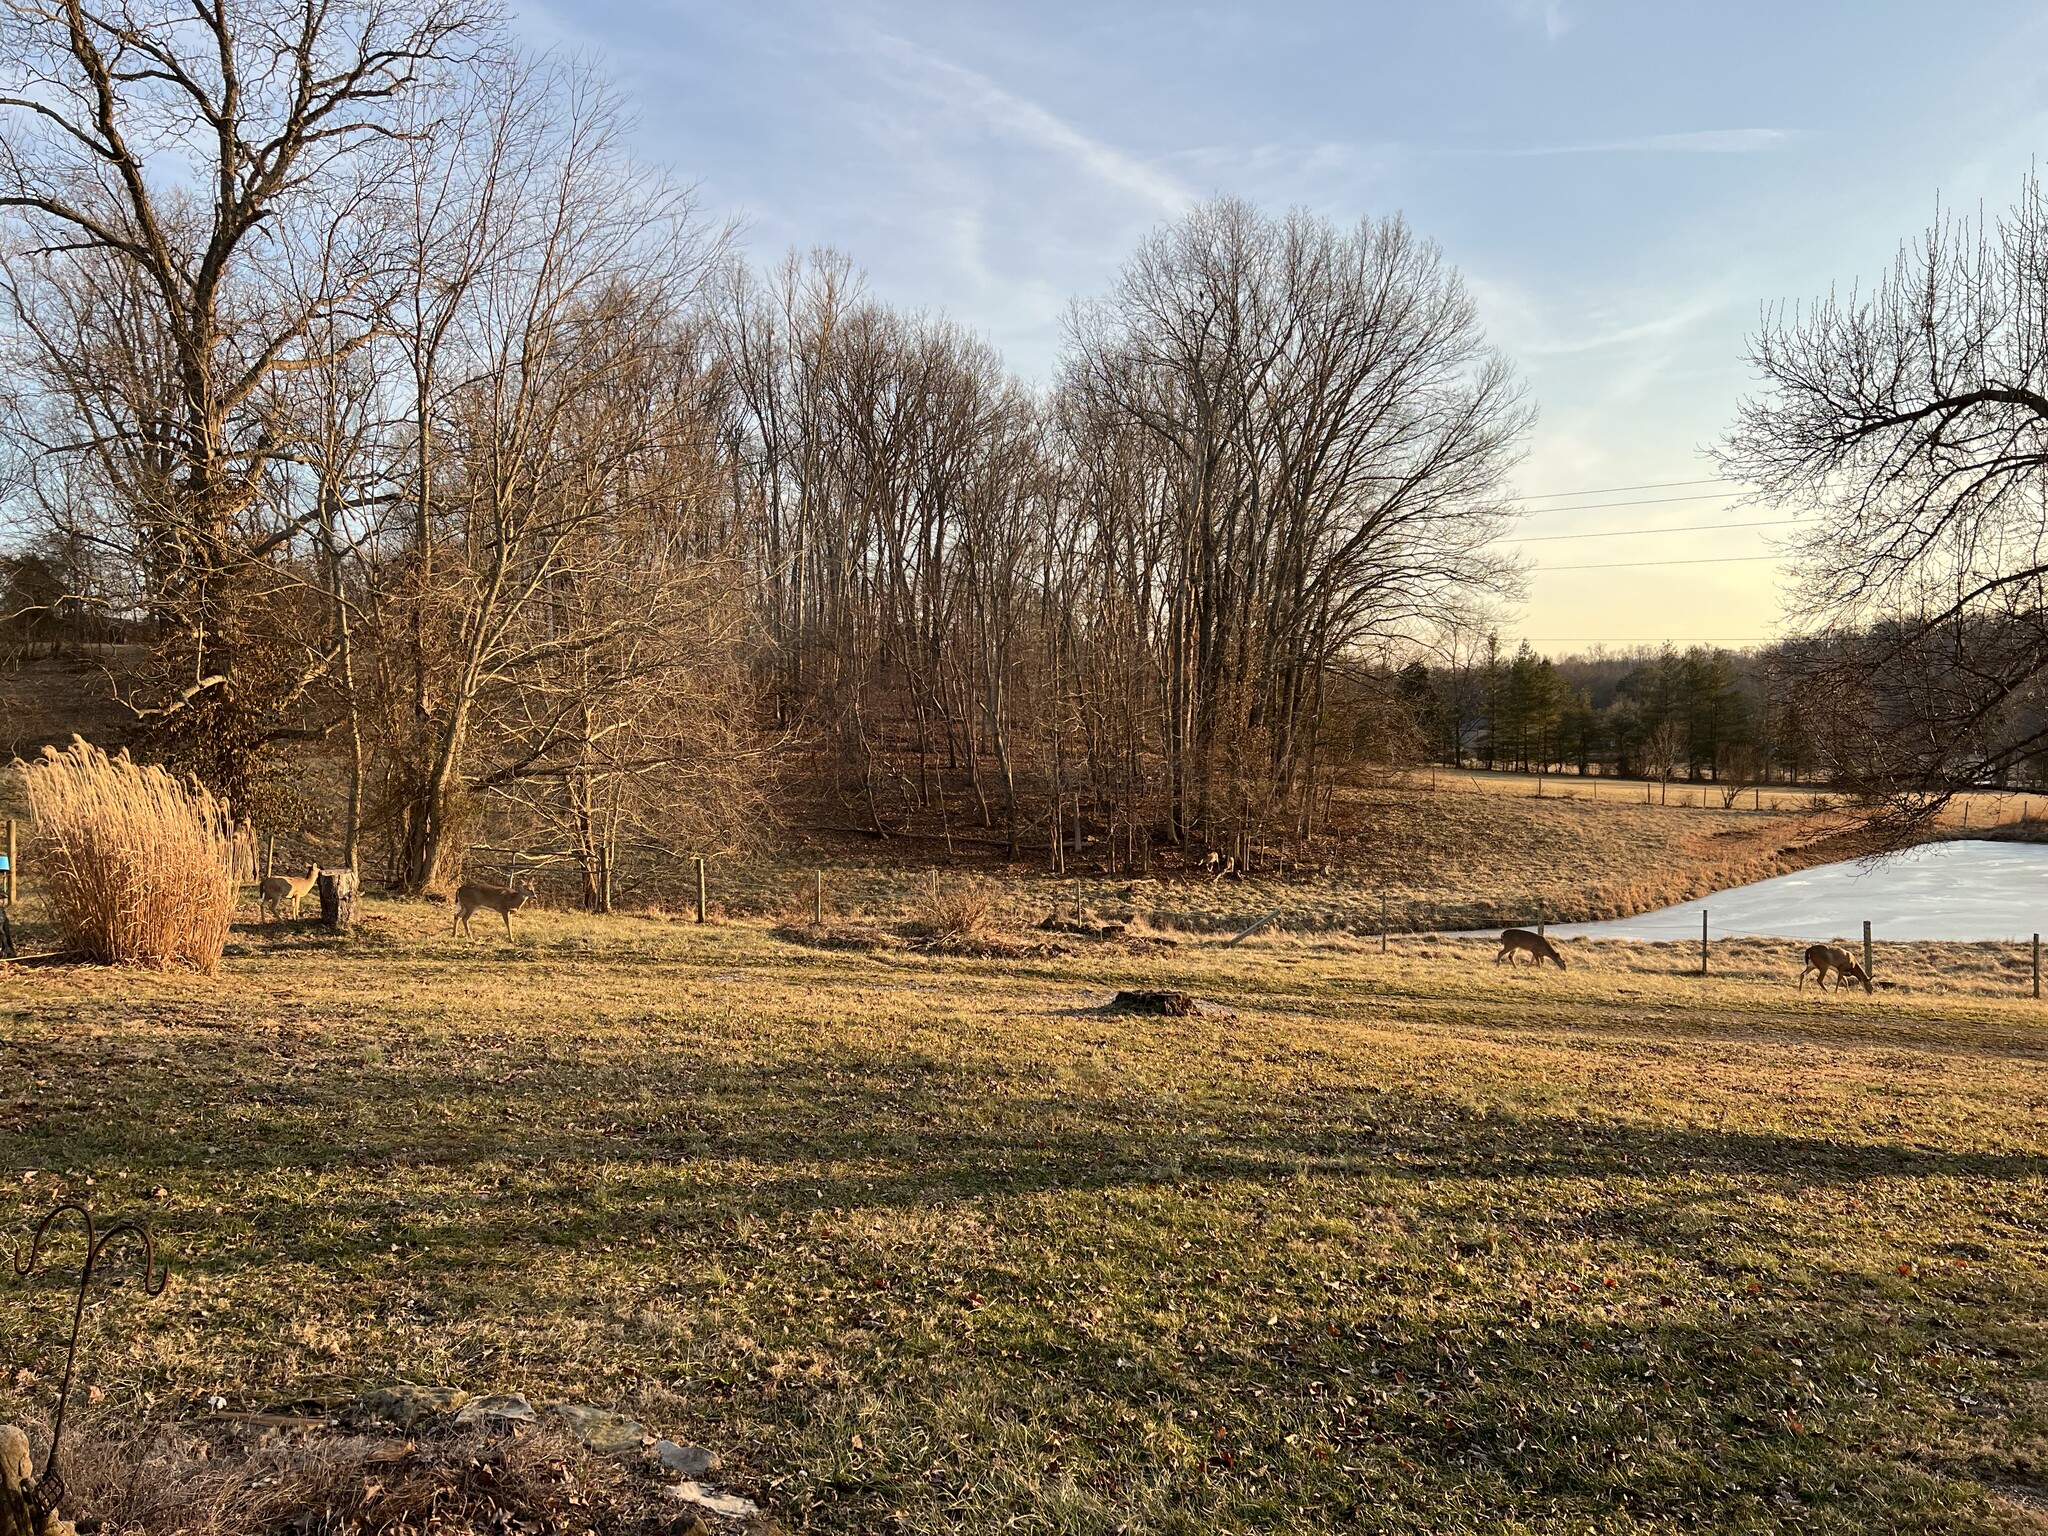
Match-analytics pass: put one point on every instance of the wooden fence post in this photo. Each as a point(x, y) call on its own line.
point(1866, 949)
point(818, 902)
point(700, 888)
point(13, 861)
point(2037, 965)
point(1703, 941)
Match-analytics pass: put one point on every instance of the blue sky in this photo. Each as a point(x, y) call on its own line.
point(1622, 184)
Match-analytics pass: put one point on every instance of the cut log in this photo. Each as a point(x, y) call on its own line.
point(337, 889)
point(1244, 933)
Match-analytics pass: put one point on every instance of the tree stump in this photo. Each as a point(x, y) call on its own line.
point(1173, 1005)
point(337, 889)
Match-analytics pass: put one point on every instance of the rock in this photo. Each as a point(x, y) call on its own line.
point(727, 1506)
point(406, 1403)
point(1175, 1005)
point(17, 1475)
point(601, 1430)
point(496, 1408)
point(686, 1460)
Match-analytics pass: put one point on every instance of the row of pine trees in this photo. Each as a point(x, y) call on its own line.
point(1697, 714)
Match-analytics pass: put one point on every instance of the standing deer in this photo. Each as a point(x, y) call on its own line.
point(503, 901)
point(273, 891)
point(1521, 941)
point(1822, 958)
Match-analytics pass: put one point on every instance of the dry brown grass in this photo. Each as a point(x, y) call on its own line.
point(1405, 1244)
point(956, 912)
point(221, 1480)
point(137, 866)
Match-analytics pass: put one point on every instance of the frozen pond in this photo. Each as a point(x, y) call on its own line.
point(1962, 891)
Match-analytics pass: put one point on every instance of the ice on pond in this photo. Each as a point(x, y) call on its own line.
point(1959, 891)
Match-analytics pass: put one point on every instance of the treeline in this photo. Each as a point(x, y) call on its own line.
point(1699, 714)
point(424, 436)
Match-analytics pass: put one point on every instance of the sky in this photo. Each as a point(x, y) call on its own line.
point(1623, 185)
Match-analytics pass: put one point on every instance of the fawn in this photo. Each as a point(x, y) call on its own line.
point(474, 898)
point(1822, 958)
point(273, 891)
point(1515, 941)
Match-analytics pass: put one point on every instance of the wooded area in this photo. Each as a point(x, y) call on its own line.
point(416, 432)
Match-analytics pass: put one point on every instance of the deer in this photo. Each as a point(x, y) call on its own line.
point(503, 901)
point(1822, 958)
point(1514, 941)
point(273, 891)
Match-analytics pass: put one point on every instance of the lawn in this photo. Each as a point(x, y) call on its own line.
point(1401, 1243)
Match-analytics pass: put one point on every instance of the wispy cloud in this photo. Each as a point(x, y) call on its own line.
point(1711, 141)
point(1006, 113)
point(1548, 14)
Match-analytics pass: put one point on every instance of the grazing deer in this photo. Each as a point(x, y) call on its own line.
point(273, 891)
point(1822, 958)
point(474, 898)
point(1515, 941)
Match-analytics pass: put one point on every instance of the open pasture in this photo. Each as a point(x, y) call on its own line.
point(1405, 1243)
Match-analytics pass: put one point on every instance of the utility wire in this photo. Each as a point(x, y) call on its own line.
point(1638, 533)
point(1607, 506)
point(1615, 490)
point(1636, 565)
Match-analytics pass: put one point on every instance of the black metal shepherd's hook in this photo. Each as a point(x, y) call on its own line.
point(49, 1488)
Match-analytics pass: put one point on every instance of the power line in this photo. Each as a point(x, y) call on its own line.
point(1615, 506)
point(1638, 533)
point(1616, 490)
point(1636, 565)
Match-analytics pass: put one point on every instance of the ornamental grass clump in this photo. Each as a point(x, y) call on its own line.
point(139, 868)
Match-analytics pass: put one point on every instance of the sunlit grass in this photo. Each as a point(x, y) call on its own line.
point(1409, 1242)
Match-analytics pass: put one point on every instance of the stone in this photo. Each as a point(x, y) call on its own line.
point(17, 1476)
point(727, 1506)
point(496, 1408)
point(692, 1461)
point(601, 1431)
point(405, 1403)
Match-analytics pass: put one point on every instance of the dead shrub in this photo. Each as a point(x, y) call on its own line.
point(956, 915)
point(140, 867)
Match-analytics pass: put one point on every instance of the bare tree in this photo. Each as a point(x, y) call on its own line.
point(571, 344)
point(1911, 420)
point(1318, 421)
point(182, 156)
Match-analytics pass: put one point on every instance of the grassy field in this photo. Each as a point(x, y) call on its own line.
point(1402, 1243)
point(1450, 859)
